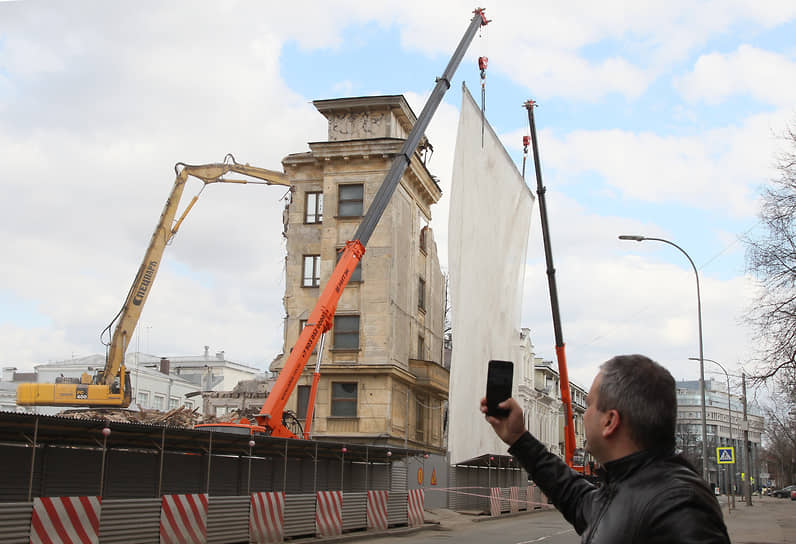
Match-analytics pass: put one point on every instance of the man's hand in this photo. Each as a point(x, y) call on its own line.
point(508, 428)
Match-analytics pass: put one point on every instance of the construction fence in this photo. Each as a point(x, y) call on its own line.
point(120, 482)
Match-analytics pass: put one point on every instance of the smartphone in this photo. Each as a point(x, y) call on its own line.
point(498, 386)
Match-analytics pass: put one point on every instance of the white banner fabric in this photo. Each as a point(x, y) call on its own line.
point(489, 222)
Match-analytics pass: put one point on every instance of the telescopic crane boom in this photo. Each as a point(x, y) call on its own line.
point(566, 397)
point(110, 387)
point(320, 320)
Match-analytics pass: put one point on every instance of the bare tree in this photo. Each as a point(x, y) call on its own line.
point(771, 257)
point(780, 431)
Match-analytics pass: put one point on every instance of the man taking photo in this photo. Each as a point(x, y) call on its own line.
point(646, 493)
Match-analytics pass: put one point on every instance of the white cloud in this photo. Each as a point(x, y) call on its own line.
point(629, 303)
point(88, 141)
point(717, 169)
point(748, 71)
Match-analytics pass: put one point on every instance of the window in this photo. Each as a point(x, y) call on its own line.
point(173, 403)
point(302, 324)
point(312, 271)
point(143, 399)
point(303, 392)
point(421, 294)
point(158, 402)
point(313, 206)
point(420, 418)
point(349, 202)
point(346, 332)
point(420, 348)
point(423, 239)
point(344, 399)
point(188, 404)
point(356, 275)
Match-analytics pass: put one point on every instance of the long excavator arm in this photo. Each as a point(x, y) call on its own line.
point(110, 386)
point(164, 232)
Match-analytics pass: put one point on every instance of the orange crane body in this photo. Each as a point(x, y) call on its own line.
point(319, 322)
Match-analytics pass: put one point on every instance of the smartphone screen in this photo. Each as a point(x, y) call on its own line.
point(498, 386)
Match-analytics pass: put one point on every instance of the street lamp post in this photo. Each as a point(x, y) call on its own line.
point(637, 238)
point(730, 472)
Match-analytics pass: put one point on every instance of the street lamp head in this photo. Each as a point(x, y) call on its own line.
point(633, 237)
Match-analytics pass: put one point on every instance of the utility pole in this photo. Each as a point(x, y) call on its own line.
point(747, 446)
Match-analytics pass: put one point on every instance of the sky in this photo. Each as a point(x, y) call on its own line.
point(658, 119)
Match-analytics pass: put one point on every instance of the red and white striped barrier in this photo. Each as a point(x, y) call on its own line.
point(71, 520)
point(514, 499)
point(494, 501)
point(267, 518)
point(417, 499)
point(183, 519)
point(329, 513)
point(377, 509)
point(529, 498)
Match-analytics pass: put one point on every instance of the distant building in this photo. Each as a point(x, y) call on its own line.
point(8, 388)
point(719, 419)
point(578, 395)
point(539, 395)
point(157, 383)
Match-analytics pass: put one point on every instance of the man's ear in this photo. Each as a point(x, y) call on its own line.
point(611, 422)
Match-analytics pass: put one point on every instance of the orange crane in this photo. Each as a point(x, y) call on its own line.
point(320, 320)
point(563, 375)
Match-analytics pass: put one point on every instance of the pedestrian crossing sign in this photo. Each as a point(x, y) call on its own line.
point(725, 455)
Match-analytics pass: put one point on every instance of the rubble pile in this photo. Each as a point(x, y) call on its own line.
point(178, 417)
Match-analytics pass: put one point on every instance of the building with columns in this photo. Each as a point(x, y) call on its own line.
point(539, 395)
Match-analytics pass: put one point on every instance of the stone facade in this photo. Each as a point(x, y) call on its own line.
point(382, 381)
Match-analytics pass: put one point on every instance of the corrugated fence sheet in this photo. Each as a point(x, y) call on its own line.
point(397, 508)
point(228, 519)
point(355, 511)
point(15, 482)
point(299, 515)
point(15, 522)
point(398, 477)
point(130, 520)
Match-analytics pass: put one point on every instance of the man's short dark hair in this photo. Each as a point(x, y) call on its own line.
point(643, 392)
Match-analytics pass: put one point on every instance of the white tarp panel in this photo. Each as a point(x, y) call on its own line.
point(490, 214)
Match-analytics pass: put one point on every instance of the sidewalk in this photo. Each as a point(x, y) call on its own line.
point(767, 521)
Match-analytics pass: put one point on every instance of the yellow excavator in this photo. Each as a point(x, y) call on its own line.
point(110, 387)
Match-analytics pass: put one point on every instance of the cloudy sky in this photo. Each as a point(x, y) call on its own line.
point(659, 119)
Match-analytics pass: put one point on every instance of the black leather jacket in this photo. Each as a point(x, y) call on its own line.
point(646, 497)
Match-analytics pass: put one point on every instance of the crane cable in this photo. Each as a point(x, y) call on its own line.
point(482, 63)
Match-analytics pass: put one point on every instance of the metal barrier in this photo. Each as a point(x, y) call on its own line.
point(299, 515)
point(128, 520)
point(15, 522)
point(228, 518)
point(355, 511)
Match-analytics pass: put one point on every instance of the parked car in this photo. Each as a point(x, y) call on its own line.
point(785, 492)
point(793, 494)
